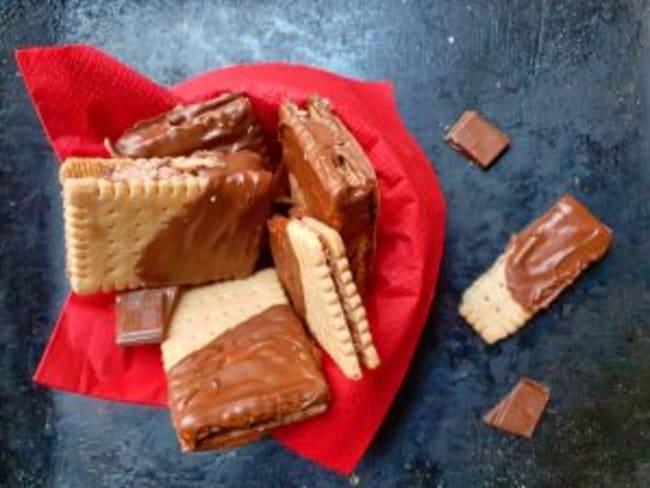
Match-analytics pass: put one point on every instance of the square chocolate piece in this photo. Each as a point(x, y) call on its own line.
point(519, 412)
point(477, 139)
point(142, 315)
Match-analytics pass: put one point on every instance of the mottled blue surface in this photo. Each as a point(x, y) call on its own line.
point(568, 80)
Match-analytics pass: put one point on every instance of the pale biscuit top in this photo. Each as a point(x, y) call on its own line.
point(347, 289)
point(325, 315)
point(205, 312)
point(489, 307)
point(108, 223)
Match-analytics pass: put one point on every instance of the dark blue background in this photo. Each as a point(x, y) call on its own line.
point(568, 80)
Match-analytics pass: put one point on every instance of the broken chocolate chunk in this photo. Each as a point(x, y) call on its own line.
point(519, 412)
point(477, 139)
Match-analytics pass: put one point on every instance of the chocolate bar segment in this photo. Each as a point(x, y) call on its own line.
point(255, 376)
point(226, 123)
point(477, 139)
point(332, 175)
point(551, 253)
point(142, 315)
point(519, 412)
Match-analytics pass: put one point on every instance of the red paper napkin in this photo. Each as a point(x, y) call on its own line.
point(83, 95)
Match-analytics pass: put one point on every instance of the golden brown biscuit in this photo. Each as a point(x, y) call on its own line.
point(165, 221)
point(538, 264)
point(311, 262)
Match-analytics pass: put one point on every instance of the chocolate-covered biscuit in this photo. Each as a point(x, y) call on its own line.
point(167, 221)
point(312, 265)
point(238, 363)
point(538, 264)
point(226, 123)
point(332, 177)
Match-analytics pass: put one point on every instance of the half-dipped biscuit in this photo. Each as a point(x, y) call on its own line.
point(238, 363)
point(133, 223)
point(313, 267)
point(538, 264)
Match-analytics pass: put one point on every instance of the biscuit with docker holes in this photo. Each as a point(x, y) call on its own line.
point(490, 309)
point(238, 363)
point(164, 221)
point(313, 267)
point(538, 264)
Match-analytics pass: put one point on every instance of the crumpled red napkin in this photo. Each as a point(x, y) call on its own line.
point(83, 95)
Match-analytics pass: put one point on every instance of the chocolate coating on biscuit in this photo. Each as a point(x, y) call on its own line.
point(257, 375)
point(226, 123)
point(551, 253)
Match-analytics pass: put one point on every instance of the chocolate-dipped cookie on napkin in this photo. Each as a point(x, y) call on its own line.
point(226, 123)
point(332, 178)
point(239, 363)
point(133, 223)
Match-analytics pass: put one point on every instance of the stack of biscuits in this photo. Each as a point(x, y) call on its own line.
point(182, 223)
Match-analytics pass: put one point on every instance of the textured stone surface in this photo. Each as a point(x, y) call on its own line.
point(568, 80)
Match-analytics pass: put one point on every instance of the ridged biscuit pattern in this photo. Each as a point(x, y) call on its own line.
point(489, 307)
point(325, 315)
point(350, 298)
point(205, 312)
point(109, 223)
